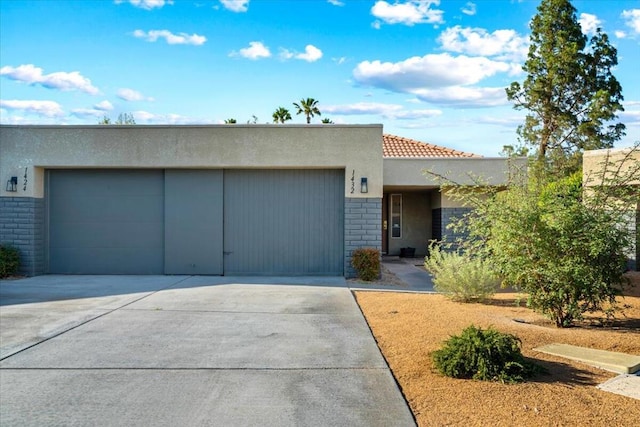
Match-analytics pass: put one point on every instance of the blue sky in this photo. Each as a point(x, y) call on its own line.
point(429, 70)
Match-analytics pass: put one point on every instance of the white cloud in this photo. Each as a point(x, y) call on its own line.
point(127, 94)
point(61, 80)
point(236, 5)
point(146, 4)
point(408, 13)
point(87, 112)
point(172, 119)
point(285, 54)
point(464, 97)
point(256, 50)
point(336, 2)
point(311, 54)
point(630, 118)
point(340, 60)
point(439, 79)
point(429, 71)
point(620, 34)
point(510, 122)
point(104, 106)
point(589, 23)
point(503, 44)
point(416, 114)
point(42, 108)
point(632, 19)
point(469, 9)
point(391, 111)
point(362, 108)
point(170, 38)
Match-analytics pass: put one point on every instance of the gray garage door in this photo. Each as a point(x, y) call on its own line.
point(259, 222)
point(106, 222)
point(284, 222)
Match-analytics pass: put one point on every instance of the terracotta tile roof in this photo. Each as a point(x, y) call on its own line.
point(397, 146)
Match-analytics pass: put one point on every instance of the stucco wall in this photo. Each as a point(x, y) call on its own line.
point(355, 148)
point(411, 172)
point(594, 161)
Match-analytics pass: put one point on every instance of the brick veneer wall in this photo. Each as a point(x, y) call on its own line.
point(362, 228)
point(441, 218)
point(22, 226)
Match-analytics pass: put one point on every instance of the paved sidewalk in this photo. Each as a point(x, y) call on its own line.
point(179, 350)
point(411, 272)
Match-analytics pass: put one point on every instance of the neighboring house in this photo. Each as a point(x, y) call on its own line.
point(593, 166)
point(221, 199)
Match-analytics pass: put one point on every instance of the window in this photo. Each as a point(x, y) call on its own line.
point(396, 216)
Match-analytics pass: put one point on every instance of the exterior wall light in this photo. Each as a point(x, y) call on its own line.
point(12, 184)
point(364, 187)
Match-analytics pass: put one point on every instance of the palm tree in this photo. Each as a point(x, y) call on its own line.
point(281, 115)
point(327, 121)
point(309, 107)
point(230, 121)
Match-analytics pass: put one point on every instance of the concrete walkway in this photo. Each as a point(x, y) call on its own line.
point(180, 350)
point(411, 272)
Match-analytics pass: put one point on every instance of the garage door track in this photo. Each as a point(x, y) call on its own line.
point(189, 350)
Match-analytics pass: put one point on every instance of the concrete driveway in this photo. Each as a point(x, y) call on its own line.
point(189, 350)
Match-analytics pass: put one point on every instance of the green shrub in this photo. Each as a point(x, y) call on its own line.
point(366, 261)
point(461, 277)
point(9, 260)
point(487, 355)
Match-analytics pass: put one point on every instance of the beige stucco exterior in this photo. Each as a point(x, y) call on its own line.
point(625, 162)
point(355, 148)
point(411, 173)
point(594, 161)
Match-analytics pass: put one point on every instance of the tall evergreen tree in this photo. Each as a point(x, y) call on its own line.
point(570, 93)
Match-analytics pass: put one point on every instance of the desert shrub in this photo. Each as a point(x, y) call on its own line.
point(461, 277)
point(366, 261)
point(566, 254)
point(487, 355)
point(9, 260)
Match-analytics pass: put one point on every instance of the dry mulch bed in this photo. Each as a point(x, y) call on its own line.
point(408, 327)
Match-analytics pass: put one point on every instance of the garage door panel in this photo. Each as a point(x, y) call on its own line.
point(109, 208)
point(107, 235)
point(284, 222)
point(106, 220)
point(193, 222)
point(104, 261)
point(93, 182)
